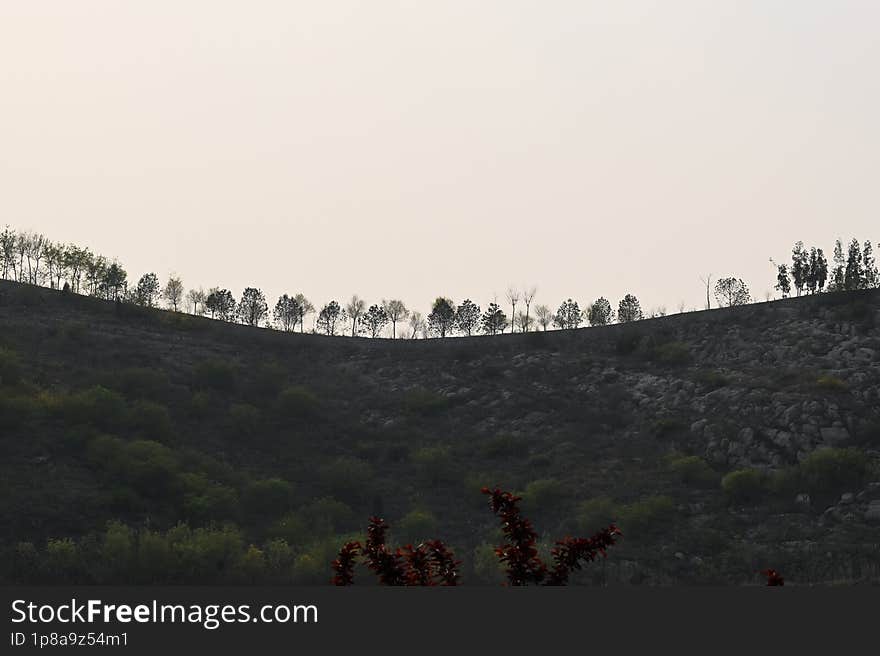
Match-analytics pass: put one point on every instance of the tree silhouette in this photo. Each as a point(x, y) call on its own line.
point(493, 321)
point(374, 320)
point(600, 312)
point(731, 291)
point(629, 309)
point(783, 282)
point(147, 290)
point(328, 316)
point(467, 317)
point(354, 310)
point(221, 304)
point(173, 292)
point(544, 315)
point(287, 313)
point(569, 315)
point(396, 311)
point(441, 321)
point(252, 307)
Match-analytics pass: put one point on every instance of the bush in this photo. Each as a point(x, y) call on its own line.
point(544, 495)
point(831, 384)
point(672, 353)
point(693, 470)
point(269, 380)
point(647, 517)
point(215, 502)
point(267, 499)
point(349, 479)
point(506, 446)
point(215, 374)
point(150, 421)
point(10, 367)
point(297, 402)
point(747, 486)
point(424, 403)
point(244, 419)
point(97, 406)
point(327, 516)
point(711, 379)
point(595, 514)
point(831, 471)
point(142, 383)
point(434, 464)
point(416, 527)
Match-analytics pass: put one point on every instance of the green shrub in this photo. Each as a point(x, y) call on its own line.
point(214, 503)
point(434, 464)
point(297, 402)
point(711, 378)
point(424, 403)
point(244, 419)
point(97, 406)
point(150, 420)
point(142, 383)
point(327, 516)
point(544, 495)
point(216, 375)
point(672, 353)
point(694, 471)
point(595, 514)
point(831, 471)
point(745, 486)
point(506, 446)
point(10, 367)
point(267, 499)
point(650, 516)
point(416, 527)
point(292, 529)
point(349, 479)
point(829, 383)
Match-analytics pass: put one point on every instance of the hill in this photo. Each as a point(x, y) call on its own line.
point(147, 446)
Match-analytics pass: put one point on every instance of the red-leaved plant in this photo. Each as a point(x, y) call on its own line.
point(773, 577)
point(520, 554)
point(432, 563)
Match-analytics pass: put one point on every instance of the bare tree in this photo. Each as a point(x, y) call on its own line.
point(196, 299)
point(524, 321)
point(417, 325)
point(513, 298)
point(396, 311)
point(544, 316)
point(708, 282)
point(173, 292)
point(528, 296)
point(354, 310)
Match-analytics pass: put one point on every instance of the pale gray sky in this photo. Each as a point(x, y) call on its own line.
point(412, 149)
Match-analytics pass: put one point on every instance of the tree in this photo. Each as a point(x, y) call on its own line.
point(307, 308)
point(96, 269)
point(113, 282)
point(528, 296)
point(287, 313)
point(854, 274)
point(396, 311)
point(837, 276)
point(783, 282)
point(869, 267)
point(173, 292)
point(732, 291)
point(629, 309)
point(800, 267)
point(328, 316)
point(252, 307)
point(600, 312)
point(493, 321)
point(354, 310)
point(417, 325)
point(441, 321)
point(544, 316)
point(7, 253)
point(467, 317)
point(708, 282)
point(147, 290)
point(196, 300)
point(512, 298)
point(524, 321)
point(820, 273)
point(569, 315)
point(811, 281)
point(221, 304)
point(374, 320)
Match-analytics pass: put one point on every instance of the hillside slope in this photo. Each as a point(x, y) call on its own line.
point(197, 439)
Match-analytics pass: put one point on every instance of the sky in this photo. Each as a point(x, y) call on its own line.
point(456, 148)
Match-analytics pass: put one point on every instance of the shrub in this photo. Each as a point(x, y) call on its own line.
point(297, 402)
point(292, 529)
point(424, 403)
point(10, 367)
point(831, 384)
point(506, 446)
point(215, 374)
point(327, 515)
point(648, 516)
point(711, 379)
point(830, 471)
point(416, 526)
point(544, 495)
point(434, 464)
point(593, 514)
point(244, 419)
point(693, 470)
point(142, 383)
point(269, 379)
point(672, 353)
point(746, 486)
point(267, 498)
point(150, 420)
point(97, 406)
point(213, 503)
point(667, 426)
point(349, 479)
